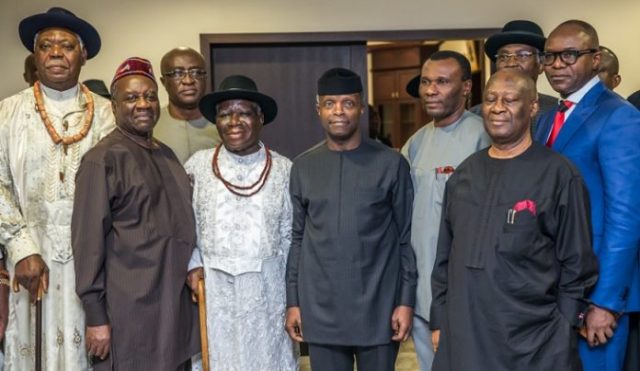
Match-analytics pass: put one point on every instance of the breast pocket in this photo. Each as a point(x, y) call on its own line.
point(524, 252)
point(519, 236)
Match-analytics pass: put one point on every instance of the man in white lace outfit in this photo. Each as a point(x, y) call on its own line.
point(243, 222)
point(44, 132)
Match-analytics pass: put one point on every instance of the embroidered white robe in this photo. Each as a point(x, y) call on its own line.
point(37, 182)
point(243, 243)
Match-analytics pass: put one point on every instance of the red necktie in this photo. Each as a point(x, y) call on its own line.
point(558, 121)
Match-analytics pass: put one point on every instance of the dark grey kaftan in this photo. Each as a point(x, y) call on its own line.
point(133, 232)
point(507, 296)
point(350, 262)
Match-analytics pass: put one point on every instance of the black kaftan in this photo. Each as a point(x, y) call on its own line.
point(133, 232)
point(351, 261)
point(508, 290)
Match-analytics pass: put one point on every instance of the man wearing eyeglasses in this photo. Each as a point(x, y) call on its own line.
point(519, 46)
point(598, 131)
point(181, 125)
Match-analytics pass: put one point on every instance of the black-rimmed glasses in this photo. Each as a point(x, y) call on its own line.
point(519, 56)
point(195, 73)
point(567, 57)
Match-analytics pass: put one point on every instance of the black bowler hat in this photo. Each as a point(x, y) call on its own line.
point(515, 32)
point(339, 81)
point(98, 87)
point(238, 87)
point(59, 17)
point(413, 87)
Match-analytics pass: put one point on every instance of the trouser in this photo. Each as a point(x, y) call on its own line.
point(422, 340)
point(607, 357)
point(340, 358)
point(106, 365)
point(632, 356)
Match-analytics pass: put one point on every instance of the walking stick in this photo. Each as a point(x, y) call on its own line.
point(38, 345)
point(39, 333)
point(202, 310)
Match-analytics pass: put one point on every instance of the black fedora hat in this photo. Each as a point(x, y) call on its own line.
point(59, 17)
point(413, 86)
point(98, 87)
point(515, 32)
point(238, 87)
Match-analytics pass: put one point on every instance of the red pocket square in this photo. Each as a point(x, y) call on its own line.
point(445, 170)
point(529, 205)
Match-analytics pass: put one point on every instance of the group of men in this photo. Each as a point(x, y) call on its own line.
point(532, 248)
point(497, 244)
point(97, 222)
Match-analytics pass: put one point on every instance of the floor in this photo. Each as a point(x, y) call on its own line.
point(406, 359)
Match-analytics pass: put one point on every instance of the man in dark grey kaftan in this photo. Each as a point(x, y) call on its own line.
point(133, 233)
point(351, 274)
point(514, 263)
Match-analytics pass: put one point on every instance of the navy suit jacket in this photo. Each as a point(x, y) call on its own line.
point(602, 138)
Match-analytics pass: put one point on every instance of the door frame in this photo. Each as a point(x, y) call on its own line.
point(209, 41)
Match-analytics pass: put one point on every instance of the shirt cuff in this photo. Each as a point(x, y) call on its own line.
point(21, 246)
point(572, 309)
point(436, 317)
point(95, 314)
point(407, 295)
point(292, 297)
point(195, 261)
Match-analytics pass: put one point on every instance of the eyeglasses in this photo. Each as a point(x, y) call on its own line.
point(519, 56)
point(567, 57)
point(195, 73)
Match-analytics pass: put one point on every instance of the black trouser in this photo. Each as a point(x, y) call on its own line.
point(340, 358)
point(99, 365)
point(632, 357)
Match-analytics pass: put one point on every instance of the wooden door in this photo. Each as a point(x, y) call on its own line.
point(289, 74)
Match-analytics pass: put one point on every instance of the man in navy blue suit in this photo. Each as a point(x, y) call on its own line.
point(599, 131)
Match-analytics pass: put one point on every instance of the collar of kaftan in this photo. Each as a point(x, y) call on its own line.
point(249, 159)
point(63, 102)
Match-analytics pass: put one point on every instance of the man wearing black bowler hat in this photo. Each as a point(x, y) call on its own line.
point(44, 132)
point(351, 272)
point(243, 218)
point(519, 46)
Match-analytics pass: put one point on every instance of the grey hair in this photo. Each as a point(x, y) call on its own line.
point(255, 106)
point(35, 38)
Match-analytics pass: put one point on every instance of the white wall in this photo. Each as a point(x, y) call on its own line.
point(149, 28)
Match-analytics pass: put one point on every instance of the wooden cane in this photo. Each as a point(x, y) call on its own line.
point(39, 334)
point(202, 310)
point(39, 296)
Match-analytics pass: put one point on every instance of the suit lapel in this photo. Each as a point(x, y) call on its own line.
point(578, 117)
point(543, 126)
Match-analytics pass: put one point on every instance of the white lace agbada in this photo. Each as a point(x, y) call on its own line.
point(243, 243)
point(35, 217)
